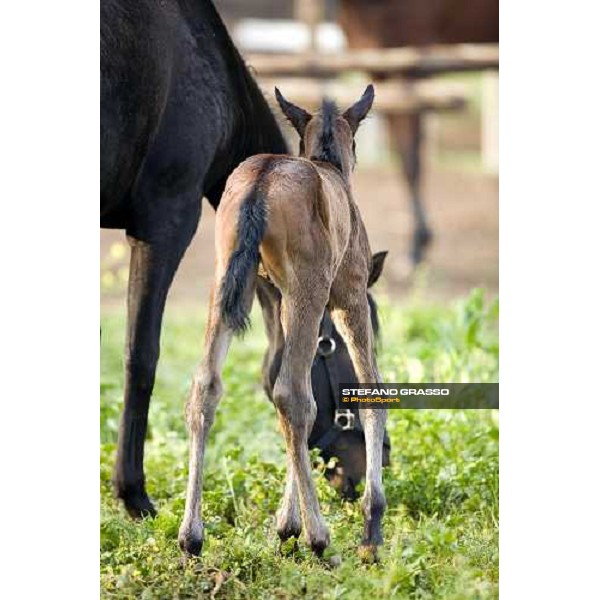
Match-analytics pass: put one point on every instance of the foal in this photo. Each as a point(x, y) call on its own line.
point(295, 221)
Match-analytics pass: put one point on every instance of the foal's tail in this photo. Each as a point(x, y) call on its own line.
point(243, 262)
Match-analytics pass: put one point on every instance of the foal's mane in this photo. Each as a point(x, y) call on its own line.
point(328, 150)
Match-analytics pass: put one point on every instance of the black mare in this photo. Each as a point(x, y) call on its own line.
point(179, 111)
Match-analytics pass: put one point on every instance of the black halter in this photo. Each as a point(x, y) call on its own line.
point(344, 419)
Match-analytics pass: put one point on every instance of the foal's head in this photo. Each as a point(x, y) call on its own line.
point(328, 136)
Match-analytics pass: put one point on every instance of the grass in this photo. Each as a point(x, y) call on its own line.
point(441, 527)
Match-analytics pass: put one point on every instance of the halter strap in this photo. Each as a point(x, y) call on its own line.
point(344, 419)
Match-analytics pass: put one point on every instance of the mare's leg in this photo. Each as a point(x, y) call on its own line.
point(152, 267)
point(352, 319)
point(301, 314)
point(207, 389)
point(407, 135)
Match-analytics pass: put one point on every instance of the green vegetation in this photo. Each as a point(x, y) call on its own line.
point(441, 526)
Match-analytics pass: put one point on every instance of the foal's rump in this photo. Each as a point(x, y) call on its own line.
point(272, 207)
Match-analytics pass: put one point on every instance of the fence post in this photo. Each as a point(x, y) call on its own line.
point(489, 122)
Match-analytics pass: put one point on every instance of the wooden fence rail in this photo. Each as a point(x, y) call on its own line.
point(409, 62)
point(392, 97)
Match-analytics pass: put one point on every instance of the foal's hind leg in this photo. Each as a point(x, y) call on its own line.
point(289, 519)
point(289, 522)
point(297, 410)
point(206, 392)
point(351, 316)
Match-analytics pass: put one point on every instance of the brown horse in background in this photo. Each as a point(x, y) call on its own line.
point(398, 23)
point(294, 221)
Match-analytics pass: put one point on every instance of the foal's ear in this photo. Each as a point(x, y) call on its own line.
point(357, 112)
point(297, 116)
point(376, 267)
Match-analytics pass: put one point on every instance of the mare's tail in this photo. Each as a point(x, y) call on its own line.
point(243, 262)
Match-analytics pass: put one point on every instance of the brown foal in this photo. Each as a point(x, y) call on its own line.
point(294, 221)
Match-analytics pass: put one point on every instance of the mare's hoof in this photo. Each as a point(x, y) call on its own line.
point(421, 241)
point(136, 501)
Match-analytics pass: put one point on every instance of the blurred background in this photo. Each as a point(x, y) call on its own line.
point(427, 174)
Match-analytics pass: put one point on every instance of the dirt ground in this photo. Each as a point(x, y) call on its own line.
point(463, 213)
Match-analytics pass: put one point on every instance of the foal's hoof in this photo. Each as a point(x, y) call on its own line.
point(191, 540)
point(285, 532)
point(136, 501)
point(288, 523)
point(318, 543)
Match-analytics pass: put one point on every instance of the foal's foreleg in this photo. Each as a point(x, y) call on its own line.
point(206, 392)
point(297, 411)
point(352, 319)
